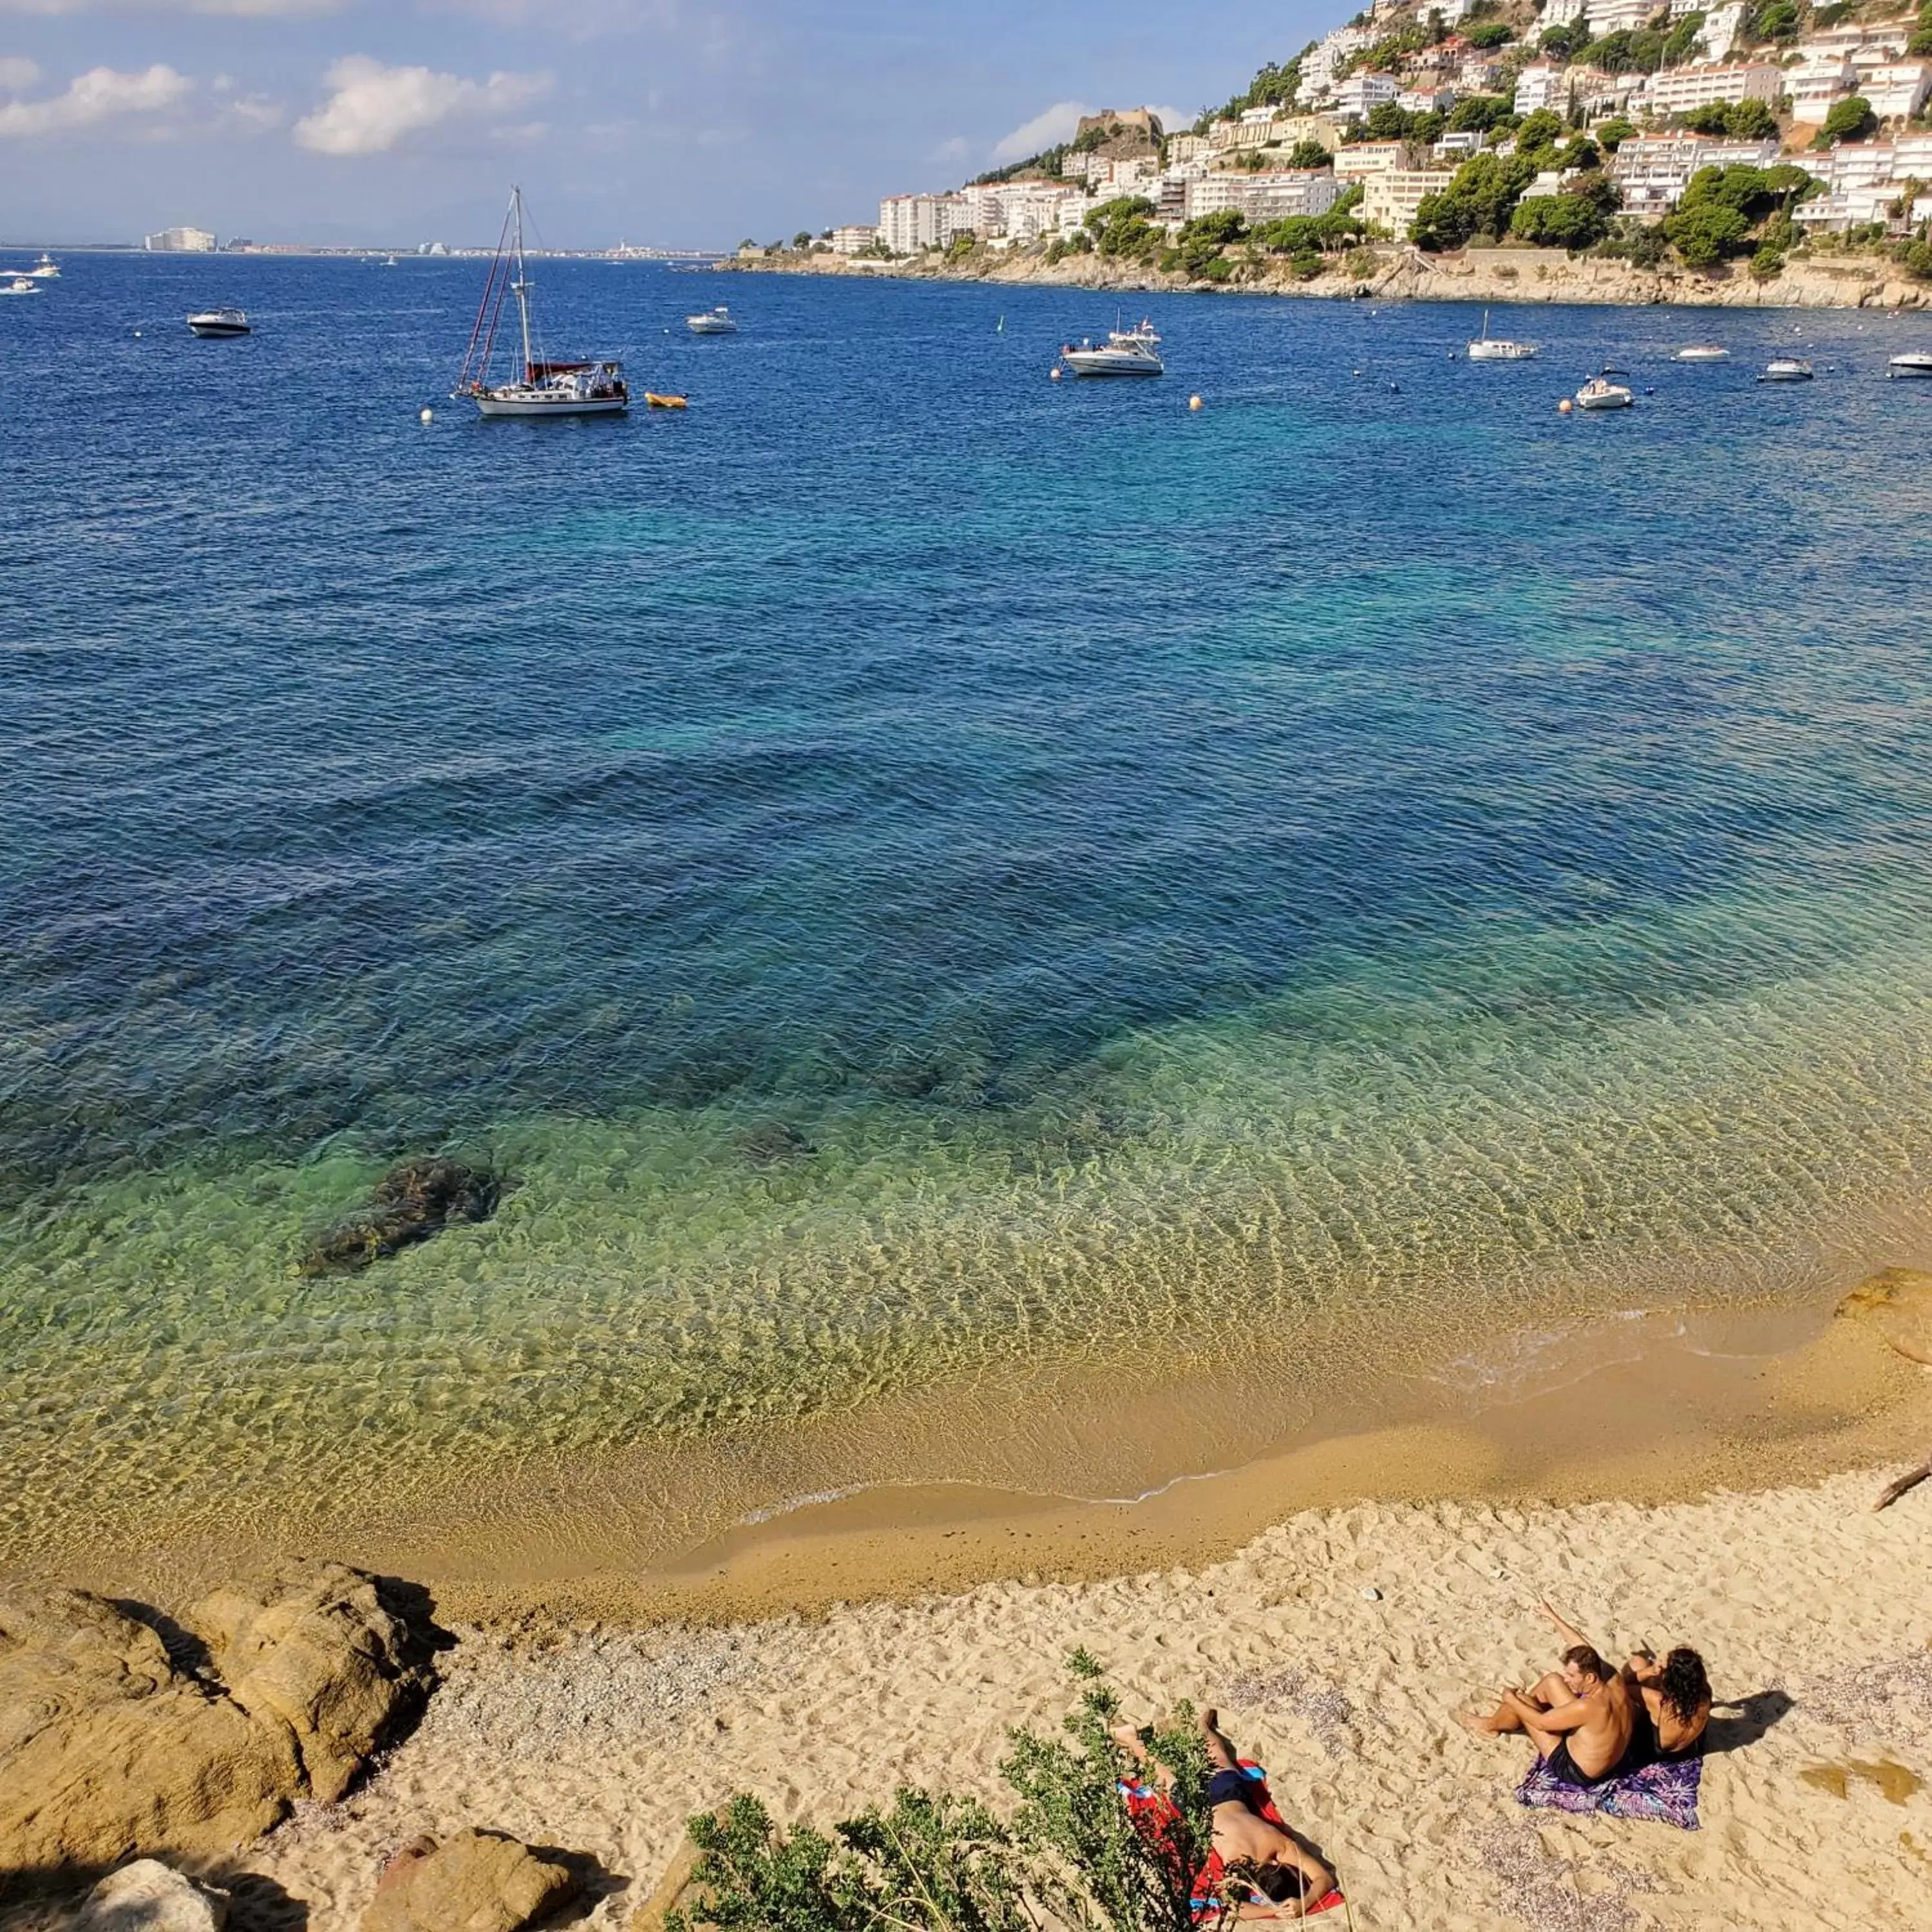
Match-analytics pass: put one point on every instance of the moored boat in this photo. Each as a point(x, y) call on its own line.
point(1786, 369)
point(219, 321)
point(1600, 393)
point(1702, 352)
point(717, 321)
point(1915, 362)
point(1488, 348)
point(1126, 351)
point(542, 387)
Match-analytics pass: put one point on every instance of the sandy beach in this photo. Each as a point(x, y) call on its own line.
point(1816, 1616)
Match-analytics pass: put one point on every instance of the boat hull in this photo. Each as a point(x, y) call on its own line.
point(565, 406)
point(1493, 352)
point(713, 328)
point(1902, 369)
point(1082, 365)
point(217, 330)
point(1604, 403)
point(1702, 355)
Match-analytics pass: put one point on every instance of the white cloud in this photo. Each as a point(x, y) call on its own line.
point(1173, 120)
point(371, 107)
point(956, 149)
point(17, 73)
point(99, 95)
point(1044, 130)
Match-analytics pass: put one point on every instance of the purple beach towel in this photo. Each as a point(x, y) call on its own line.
point(1666, 1792)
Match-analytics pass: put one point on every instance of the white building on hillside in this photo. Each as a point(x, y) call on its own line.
point(1818, 82)
point(1683, 90)
point(1898, 90)
point(179, 241)
point(854, 240)
point(1565, 12)
point(1720, 30)
point(1540, 84)
point(908, 223)
point(1367, 158)
point(1360, 94)
point(1390, 200)
point(1276, 197)
point(1653, 170)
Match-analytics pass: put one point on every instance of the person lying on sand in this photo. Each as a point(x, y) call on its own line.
point(1286, 1881)
point(1673, 1706)
point(1581, 1717)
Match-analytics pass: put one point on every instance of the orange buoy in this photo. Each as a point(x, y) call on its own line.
point(1564, 408)
point(657, 402)
point(1053, 374)
point(1194, 402)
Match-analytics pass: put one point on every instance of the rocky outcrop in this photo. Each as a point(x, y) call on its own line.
point(149, 1897)
point(409, 1204)
point(677, 1891)
point(1398, 272)
point(317, 1650)
point(1898, 1303)
point(108, 1750)
point(475, 1882)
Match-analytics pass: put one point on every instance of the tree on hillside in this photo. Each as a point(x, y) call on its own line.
point(1310, 154)
point(1611, 135)
point(1491, 34)
point(1559, 221)
point(1681, 40)
point(1478, 202)
point(1849, 120)
point(1479, 113)
point(1120, 227)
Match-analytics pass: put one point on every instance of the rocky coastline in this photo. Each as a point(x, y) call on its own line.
point(1406, 273)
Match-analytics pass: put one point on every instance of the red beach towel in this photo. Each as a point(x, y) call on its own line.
point(1154, 1813)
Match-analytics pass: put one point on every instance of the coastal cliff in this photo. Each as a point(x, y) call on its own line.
point(1403, 273)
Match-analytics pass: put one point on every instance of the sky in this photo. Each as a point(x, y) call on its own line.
point(670, 123)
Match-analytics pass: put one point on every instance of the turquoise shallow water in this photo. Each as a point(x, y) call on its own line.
point(1369, 860)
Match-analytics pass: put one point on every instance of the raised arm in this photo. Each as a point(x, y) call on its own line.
point(1567, 1631)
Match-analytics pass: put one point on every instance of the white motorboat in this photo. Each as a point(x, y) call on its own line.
point(21, 285)
point(542, 387)
point(218, 322)
point(46, 269)
point(713, 321)
point(1786, 369)
point(1702, 352)
point(1126, 351)
point(1600, 393)
point(1914, 362)
point(1488, 348)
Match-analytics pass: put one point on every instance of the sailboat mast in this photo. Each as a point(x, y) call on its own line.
point(520, 284)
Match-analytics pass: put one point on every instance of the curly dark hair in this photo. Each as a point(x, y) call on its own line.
point(1683, 1684)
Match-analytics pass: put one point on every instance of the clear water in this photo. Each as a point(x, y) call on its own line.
point(1356, 862)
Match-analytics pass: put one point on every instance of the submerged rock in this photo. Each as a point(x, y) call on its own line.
point(767, 1143)
point(409, 1204)
point(150, 1897)
point(475, 1882)
point(1898, 1303)
point(109, 1751)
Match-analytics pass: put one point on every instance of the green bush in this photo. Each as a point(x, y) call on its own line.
point(1491, 34)
point(1559, 221)
point(937, 1863)
point(1851, 119)
point(1611, 135)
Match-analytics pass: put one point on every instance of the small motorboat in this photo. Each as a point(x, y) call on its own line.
point(1488, 348)
point(713, 321)
point(1914, 362)
point(1702, 352)
point(1600, 393)
point(1126, 351)
point(219, 321)
point(21, 285)
point(46, 269)
point(1786, 369)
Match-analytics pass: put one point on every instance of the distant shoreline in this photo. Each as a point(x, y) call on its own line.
point(1498, 275)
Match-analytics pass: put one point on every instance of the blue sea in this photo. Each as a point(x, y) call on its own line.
point(945, 895)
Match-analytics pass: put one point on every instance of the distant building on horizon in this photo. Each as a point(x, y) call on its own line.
point(179, 241)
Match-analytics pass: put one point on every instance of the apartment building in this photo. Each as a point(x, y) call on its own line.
point(1264, 197)
point(1898, 90)
point(1652, 171)
point(1683, 90)
point(908, 223)
point(179, 241)
point(1390, 200)
point(853, 239)
point(1540, 84)
point(1360, 94)
point(1369, 157)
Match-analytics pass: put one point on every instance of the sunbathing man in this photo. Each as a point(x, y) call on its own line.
point(1581, 1718)
point(1286, 1882)
point(1673, 1706)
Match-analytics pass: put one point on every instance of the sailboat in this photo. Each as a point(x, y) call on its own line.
point(1488, 348)
point(544, 388)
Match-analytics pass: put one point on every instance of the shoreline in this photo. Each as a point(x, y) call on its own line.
point(1405, 273)
point(1338, 1644)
